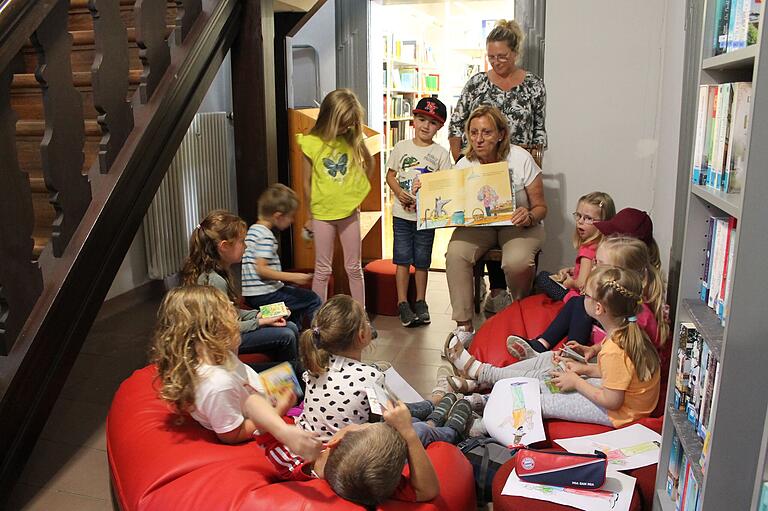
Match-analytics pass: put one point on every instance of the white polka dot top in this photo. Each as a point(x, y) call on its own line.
point(337, 398)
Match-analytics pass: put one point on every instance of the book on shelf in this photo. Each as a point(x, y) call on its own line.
point(683, 483)
point(673, 467)
point(736, 25)
point(753, 30)
point(717, 260)
point(717, 266)
point(708, 436)
point(738, 138)
point(699, 160)
point(692, 495)
point(706, 400)
point(707, 263)
point(722, 11)
point(723, 113)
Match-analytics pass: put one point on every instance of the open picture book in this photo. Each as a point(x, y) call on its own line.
point(474, 196)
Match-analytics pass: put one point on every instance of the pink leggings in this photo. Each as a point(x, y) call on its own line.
point(325, 236)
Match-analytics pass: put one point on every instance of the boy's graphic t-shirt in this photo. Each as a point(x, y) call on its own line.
point(339, 185)
point(220, 393)
point(260, 243)
point(409, 160)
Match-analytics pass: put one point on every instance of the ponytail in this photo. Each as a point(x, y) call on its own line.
point(653, 294)
point(335, 329)
point(635, 343)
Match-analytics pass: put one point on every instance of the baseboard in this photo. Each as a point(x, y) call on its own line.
point(120, 303)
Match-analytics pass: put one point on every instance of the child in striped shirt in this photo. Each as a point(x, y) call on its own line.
point(263, 279)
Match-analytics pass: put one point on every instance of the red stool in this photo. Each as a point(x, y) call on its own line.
point(381, 289)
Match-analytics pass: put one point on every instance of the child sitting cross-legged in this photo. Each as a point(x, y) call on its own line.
point(337, 380)
point(363, 463)
point(624, 384)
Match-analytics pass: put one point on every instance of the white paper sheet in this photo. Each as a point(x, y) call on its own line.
point(627, 448)
point(615, 494)
point(401, 388)
point(513, 412)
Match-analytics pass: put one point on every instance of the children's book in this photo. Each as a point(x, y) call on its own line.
point(701, 135)
point(568, 352)
point(474, 196)
point(274, 310)
point(279, 378)
point(738, 138)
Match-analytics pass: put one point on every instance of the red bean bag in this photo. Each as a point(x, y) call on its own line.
point(528, 318)
point(159, 462)
point(381, 288)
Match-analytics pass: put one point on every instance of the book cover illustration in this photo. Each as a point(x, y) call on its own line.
point(274, 310)
point(279, 378)
point(474, 196)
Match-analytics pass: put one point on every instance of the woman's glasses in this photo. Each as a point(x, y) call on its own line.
point(578, 217)
point(498, 58)
point(486, 134)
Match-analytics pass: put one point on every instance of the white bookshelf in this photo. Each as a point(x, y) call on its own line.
point(736, 464)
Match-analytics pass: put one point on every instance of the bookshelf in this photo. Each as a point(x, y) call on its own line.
point(409, 73)
point(738, 424)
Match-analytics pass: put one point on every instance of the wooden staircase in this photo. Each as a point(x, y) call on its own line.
point(95, 97)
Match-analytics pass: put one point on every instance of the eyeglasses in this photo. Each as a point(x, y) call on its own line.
point(486, 134)
point(578, 217)
point(498, 58)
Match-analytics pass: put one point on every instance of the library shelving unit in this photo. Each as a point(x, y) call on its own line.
point(736, 463)
point(409, 74)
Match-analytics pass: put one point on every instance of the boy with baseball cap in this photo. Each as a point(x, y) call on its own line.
point(408, 160)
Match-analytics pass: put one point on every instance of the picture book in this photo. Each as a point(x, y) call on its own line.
point(568, 352)
point(274, 310)
point(556, 280)
point(474, 196)
point(278, 378)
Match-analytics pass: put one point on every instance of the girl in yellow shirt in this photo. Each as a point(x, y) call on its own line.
point(337, 166)
point(624, 384)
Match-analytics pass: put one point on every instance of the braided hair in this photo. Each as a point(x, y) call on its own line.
point(620, 292)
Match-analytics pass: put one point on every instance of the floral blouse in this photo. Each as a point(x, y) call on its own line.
point(523, 106)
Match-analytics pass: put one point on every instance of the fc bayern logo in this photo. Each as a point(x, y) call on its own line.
point(528, 463)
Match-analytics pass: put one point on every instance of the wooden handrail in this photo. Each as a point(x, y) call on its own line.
point(18, 20)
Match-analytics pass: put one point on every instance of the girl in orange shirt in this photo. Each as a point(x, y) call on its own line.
point(622, 387)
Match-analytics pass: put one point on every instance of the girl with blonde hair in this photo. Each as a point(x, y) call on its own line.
point(622, 387)
point(194, 347)
point(337, 168)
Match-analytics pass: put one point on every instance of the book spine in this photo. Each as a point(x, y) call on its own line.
point(673, 468)
point(701, 134)
point(718, 260)
point(719, 44)
point(713, 404)
point(709, 389)
point(693, 492)
point(724, 284)
point(683, 484)
point(737, 147)
point(707, 260)
point(703, 376)
point(731, 42)
point(711, 134)
point(729, 273)
point(727, 105)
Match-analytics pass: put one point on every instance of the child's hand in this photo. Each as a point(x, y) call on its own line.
point(587, 352)
point(398, 416)
point(405, 198)
point(284, 401)
point(565, 380)
point(300, 279)
point(302, 443)
point(278, 321)
point(415, 185)
point(576, 367)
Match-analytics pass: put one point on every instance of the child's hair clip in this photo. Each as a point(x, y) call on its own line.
point(632, 319)
point(316, 339)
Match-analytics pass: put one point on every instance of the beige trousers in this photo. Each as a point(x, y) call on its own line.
point(468, 244)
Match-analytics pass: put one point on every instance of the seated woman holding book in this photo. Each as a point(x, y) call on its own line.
point(488, 134)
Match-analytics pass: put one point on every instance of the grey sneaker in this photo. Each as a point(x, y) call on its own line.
point(407, 317)
point(421, 309)
point(497, 303)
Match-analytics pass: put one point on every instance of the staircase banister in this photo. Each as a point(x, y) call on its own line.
point(18, 20)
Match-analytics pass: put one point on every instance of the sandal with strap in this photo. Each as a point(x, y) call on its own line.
point(460, 418)
point(463, 385)
point(453, 354)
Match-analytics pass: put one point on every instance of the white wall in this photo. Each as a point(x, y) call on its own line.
point(318, 32)
point(613, 77)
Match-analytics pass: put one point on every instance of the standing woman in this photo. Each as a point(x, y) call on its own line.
point(521, 97)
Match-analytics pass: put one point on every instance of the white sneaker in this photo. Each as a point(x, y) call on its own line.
point(494, 304)
point(442, 387)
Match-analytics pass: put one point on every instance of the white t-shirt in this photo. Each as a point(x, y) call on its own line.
point(220, 394)
point(337, 397)
point(260, 243)
point(522, 171)
point(408, 161)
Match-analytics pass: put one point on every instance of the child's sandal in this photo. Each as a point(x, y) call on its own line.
point(453, 354)
point(463, 385)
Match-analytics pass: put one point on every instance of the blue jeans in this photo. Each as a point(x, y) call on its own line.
point(428, 434)
point(572, 321)
point(412, 246)
point(302, 302)
point(280, 343)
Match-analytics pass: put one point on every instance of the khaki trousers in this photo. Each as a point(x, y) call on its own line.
point(468, 244)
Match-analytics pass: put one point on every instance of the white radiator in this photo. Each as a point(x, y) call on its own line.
point(200, 179)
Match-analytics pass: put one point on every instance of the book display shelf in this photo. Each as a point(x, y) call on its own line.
point(719, 352)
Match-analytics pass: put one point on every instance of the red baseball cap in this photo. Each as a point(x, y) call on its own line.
point(629, 222)
point(432, 108)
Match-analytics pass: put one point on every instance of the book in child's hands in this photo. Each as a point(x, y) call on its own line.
point(567, 351)
point(279, 378)
point(473, 196)
point(274, 310)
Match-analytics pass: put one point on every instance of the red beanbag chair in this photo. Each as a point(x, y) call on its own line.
point(159, 461)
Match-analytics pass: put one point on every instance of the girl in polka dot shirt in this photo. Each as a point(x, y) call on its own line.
point(336, 378)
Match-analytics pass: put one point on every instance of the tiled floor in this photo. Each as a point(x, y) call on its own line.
point(68, 467)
